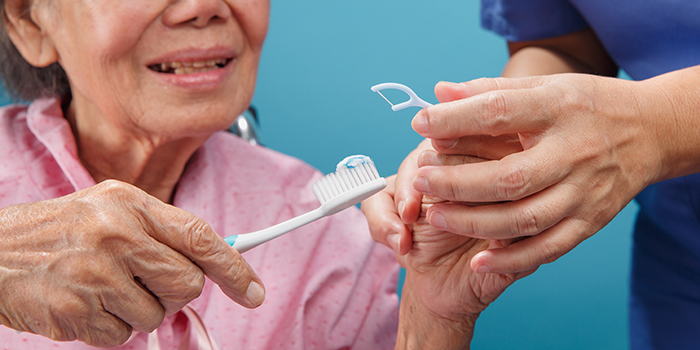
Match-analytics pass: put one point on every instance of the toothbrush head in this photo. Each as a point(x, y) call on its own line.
point(413, 101)
point(355, 179)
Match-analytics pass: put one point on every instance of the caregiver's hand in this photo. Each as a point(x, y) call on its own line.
point(590, 144)
point(93, 265)
point(407, 200)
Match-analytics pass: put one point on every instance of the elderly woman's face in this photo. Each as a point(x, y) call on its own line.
point(160, 66)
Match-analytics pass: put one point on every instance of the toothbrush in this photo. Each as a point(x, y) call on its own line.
point(414, 100)
point(355, 179)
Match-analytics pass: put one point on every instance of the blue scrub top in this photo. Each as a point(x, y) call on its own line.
point(645, 38)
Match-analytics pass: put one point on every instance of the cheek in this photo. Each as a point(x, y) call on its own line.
point(96, 37)
point(254, 18)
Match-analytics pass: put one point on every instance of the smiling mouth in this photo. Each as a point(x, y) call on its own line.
point(190, 67)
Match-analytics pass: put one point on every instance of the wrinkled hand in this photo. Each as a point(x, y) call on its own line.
point(570, 151)
point(442, 296)
point(438, 266)
point(93, 265)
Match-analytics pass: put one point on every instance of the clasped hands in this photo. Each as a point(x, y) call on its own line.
point(513, 174)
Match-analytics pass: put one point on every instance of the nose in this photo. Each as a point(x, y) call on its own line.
point(198, 13)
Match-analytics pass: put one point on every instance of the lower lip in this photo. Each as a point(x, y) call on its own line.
point(208, 80)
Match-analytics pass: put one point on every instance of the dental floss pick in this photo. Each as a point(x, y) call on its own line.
point(413, 101)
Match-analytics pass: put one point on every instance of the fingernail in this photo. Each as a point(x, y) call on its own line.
point(401, 207)
point(420, 184)
point(482, 269)
point(394, 241)
point(445, 143)
point(437, 220)
point(420, 122)
point(255, 293)
point(430, 158)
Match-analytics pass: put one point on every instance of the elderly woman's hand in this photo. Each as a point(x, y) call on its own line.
point(589, 145)
point(442, 296)
point(98, 263)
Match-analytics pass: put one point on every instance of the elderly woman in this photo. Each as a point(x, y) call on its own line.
point(117, 184)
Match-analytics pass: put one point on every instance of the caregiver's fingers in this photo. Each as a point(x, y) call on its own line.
point(385, 225)
point(533, 251)
point(430, 157)
point(493, 113)
point(514, 177)
point(507, 220)
point(450, 91)
point(406, 199)
point(482, 146)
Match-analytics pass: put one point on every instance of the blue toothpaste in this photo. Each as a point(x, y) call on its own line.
point(352, 162)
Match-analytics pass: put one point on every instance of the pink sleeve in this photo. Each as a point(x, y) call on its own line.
point(356, 288)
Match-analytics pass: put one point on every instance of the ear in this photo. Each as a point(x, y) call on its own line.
point(28, 35)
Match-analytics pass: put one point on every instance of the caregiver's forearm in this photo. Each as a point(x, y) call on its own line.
point(579, 52)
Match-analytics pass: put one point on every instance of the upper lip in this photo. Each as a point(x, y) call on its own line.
point(194, 55)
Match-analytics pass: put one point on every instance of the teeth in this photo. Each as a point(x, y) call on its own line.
point(189, 67)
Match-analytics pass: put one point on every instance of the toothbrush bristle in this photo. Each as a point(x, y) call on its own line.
point(344, 179)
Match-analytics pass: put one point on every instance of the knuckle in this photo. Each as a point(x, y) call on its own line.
point(107, 332)
point(511, 182)
point(74, 320)
point(192, 289)
point(202, 242)
point(487, 84)
point(114, 188)
point(550, 252)
point(153, 319)
point(496, 110)
point(526, 223)
point(473, 228)
point(453, 190)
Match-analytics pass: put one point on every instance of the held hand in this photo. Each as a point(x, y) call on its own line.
point(587, 150)
point(383, 210)
point(442, 296)
point(93, 265)
point(407, 199)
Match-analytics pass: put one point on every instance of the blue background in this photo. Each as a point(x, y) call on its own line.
point(313, 96)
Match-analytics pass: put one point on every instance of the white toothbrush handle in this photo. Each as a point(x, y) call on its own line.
point(251, 240)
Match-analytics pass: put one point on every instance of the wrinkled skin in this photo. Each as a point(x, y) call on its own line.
point(567, 153)
point(442, 295)
point(98, 263)
point(95, 265)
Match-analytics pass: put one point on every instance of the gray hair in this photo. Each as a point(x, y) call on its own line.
point(22, 80)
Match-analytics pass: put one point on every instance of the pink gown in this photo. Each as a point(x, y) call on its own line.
point(329, 286)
